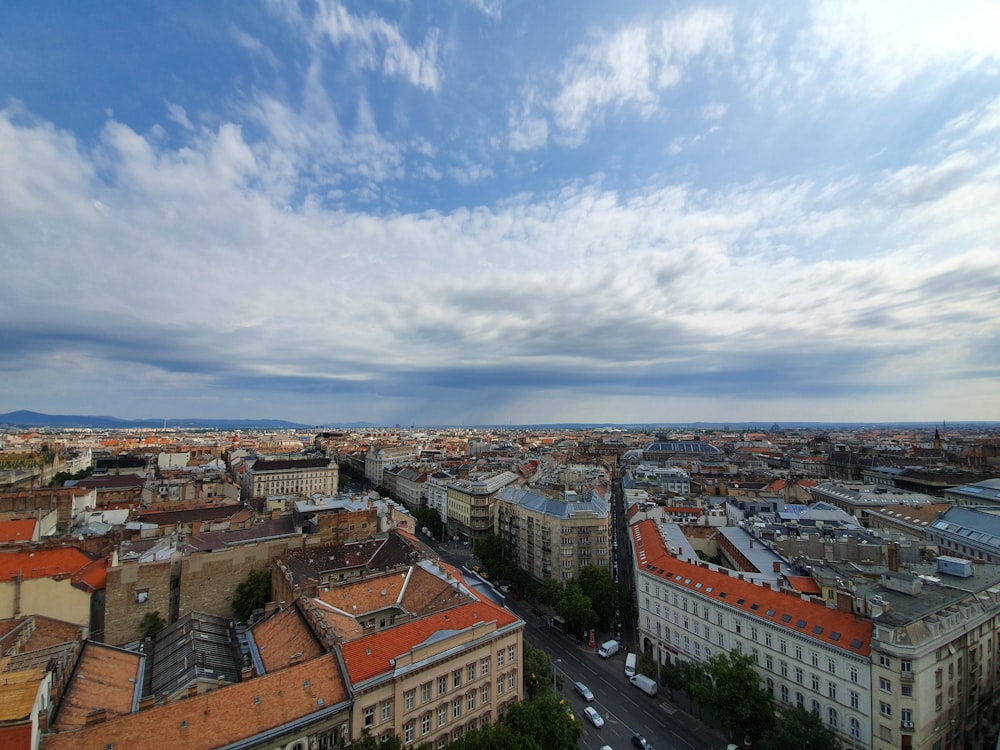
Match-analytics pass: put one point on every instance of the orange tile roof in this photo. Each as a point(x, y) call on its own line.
point(92, 577)
point(105, 677)
point(804, 584)
point(41, 563)
point(833, 627)
point(369, 656)
point(285, 635)
point(219, 717)
point(17, 531)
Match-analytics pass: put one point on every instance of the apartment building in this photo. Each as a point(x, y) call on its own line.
point(471, 504)
point(970, 533)
point(380, 456)
point(289, 476)
point(808, 654)
point(554, 537)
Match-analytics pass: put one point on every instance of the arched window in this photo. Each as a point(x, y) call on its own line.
point(815, 707)
point(770, 687)
point(832, 717)
point(800, 700)
point(855, 728)
point(784, 693)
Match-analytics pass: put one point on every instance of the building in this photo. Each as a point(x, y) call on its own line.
point(380, 456)
point(982, 493)
point(291, 476)
point(807, 654)
point(554, 537)
point(471, 505)
point(969, 533)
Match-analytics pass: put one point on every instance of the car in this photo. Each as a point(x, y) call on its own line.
point(595, 718)
point(568, 709)
point(606, 747)
point(537, 612)
point(640, 742)
point(575, 638)
point(584, 691)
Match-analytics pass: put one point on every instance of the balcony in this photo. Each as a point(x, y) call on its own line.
point(906, 676)
point(906, 726)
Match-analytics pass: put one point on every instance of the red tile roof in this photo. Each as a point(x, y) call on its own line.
point(369, 656)
point(17, 531)
point(105, 677)
point(220, 717)
point(833, 627)
point(41, 563)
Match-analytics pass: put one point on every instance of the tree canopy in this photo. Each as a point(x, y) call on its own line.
point(798, 729)
point(598, 585)
point(252, 594)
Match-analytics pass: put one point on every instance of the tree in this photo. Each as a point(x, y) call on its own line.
point(798, 729)
point(430, 518)
point(545, 722)
point(734, 697)
point(537, 669)
point(367, 742)
point(490, 552)
point(575, 608)
point(551, 592)
point(496, 737)
point(252, 594)
point(151, 624)
point(598, 585)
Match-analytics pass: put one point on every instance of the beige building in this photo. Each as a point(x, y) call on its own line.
point(380, 456)
point(471, 505)
point(554, 537)
point(293, 476)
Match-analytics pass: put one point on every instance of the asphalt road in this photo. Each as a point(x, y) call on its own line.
point(625, 709)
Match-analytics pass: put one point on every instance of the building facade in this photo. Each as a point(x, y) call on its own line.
point(471, 505)
point(554, 537)
point(293, 476)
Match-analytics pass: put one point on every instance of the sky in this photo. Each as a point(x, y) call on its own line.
point(500, 212)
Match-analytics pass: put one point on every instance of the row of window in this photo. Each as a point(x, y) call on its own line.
point(832, 714)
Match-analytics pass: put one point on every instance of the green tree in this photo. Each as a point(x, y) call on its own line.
point(598, 585)
point(545, 722)
point(430, 518)
point(367, 742)
point(537, 669)
point(798, 729)
point(252, 594)
point(733, 696)
point(551, 592)
point(646, 665)
point(490, 552)
point(496, 737)
point(151, 624)
point(575, 608)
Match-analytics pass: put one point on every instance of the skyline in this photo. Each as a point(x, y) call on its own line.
point(485, 213)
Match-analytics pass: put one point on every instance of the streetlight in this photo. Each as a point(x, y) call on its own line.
point(554, 688)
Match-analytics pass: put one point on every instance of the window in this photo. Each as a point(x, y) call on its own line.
point(456, 708)
point(815, 707)
point(783, 668)
point(471, 672)
point(141, 596)
point(906, 716)
point(815, 683)
point(884, 685)
point(798, 653)
point(815, 658)
point(770, 687)
point(470, 700)
point(855, 728)
point(800, 700)
point(885, 661)
point(425, 692)
point(855, 700)
point(456, 678)
point(783, 646)
point(753, 634)
point(767, 639)
point(831, 666)
point(442, 684)
point(854, 674)
point(906, 690)
point(484, 694)
point(386, 710)
point(500, 655)
point(511, 653)
point(512, 680)
point(769, 662)
point(831, 689)
point(425, 724)
point(485, 666)
point(905, 666)
point(739, 627)
point(784, 693)
point(500, 685)
point(408, 697)
point(408, 733)
point(799, 675)
point(832, 717)
point(370, 716)
point(885, 709)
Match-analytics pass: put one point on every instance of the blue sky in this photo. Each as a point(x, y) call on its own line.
point(501, 212)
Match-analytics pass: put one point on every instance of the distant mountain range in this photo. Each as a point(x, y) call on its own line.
point(35, 419)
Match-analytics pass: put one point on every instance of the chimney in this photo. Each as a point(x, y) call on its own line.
point(147, 702)
point(246, 674)
point(776, 566)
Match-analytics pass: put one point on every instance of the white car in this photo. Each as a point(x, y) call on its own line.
point(595, 718)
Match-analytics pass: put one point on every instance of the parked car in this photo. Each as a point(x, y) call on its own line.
point(584, 691)
point(537, 612)
point(595, 718)
point(607, 747)
point(640, 742)
point(575, 638)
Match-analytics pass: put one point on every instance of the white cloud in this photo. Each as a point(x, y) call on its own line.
point(871, 49)
point(176, 113)
point(714, 111)
point(378, 44)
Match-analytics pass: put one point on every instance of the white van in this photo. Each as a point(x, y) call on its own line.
point(630, 666)
point(608, 648)
point(645, 684)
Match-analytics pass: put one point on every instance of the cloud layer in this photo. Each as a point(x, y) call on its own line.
point(658, 217)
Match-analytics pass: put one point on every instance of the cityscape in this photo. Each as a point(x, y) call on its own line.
point(294, 588)
point(489, 375)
